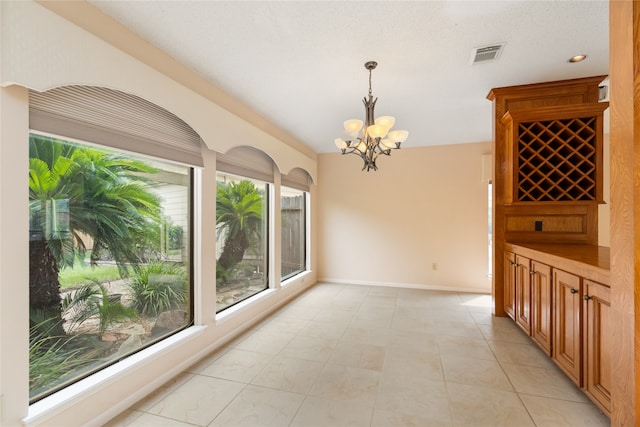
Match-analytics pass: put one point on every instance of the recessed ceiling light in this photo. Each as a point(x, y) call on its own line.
point(578, 58)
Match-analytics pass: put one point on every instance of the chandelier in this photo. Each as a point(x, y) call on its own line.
point(376, 138)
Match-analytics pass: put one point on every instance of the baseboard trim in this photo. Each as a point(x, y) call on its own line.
point(403, 285)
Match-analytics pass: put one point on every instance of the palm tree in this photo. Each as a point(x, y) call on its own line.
point(76, 192)
point(238, 218)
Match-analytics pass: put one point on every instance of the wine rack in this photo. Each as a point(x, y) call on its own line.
point(557, 160)
point(557, 154)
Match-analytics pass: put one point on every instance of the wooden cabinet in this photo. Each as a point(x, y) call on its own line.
point(555, 153)
point(509, 266)
point(528, 297)
point(548, 182)
point(531, 200)
point(523, 293)
point(567, 330)
point(553, 180)
point(563, 301)
point(598, 345)
point(541, 305)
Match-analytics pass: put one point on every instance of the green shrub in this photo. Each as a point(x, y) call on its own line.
point(51, 356)
point(94, 300)
point(159, 286)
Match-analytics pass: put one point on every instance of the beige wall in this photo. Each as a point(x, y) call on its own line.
point(423, 206)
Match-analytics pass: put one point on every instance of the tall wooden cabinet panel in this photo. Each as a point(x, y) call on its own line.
point(567, 342)
point(598, 345)
point(510, 284)
point(541, 305)
point(516, 220)
point(523, 293)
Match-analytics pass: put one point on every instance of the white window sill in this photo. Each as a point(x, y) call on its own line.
point(252, 300)
point(48, 407)
point(300, 277)
point(227, 313)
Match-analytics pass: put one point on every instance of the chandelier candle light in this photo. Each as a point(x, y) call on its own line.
point(375, 138)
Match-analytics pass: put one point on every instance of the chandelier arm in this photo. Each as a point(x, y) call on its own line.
point(369, 163)
point(380, 152)
point(384, 149)
point(353, 150)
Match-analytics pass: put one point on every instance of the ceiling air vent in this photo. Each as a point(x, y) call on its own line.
point(480, 55)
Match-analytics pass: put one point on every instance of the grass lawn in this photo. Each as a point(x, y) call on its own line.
point(81, 274)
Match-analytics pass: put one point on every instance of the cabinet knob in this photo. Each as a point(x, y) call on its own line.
point(532, 272)
point(586, 297)
point(575, 291)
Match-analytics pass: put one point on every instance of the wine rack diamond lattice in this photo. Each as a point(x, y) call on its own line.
point(557, 160)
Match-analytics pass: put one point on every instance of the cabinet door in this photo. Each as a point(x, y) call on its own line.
point(541, 305)
point(567, 342)
point(523, 293)
point(510, 284)
point(597, 369)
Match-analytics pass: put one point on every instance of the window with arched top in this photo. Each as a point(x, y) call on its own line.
point(244, 179)
point(110, 216)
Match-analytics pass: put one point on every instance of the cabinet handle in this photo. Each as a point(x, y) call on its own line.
point(532, 272)
point(586, 297)
point(575, 291)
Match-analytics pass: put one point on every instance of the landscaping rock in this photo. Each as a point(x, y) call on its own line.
point(133, 329)
point(109, 338)
point(131, 344)
point(169, 321)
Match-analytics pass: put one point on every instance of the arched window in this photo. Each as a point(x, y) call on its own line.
point(244, 179)
point(110, 197)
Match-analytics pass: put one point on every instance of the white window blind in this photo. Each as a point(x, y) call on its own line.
point(246, 161)
point(297, 178)
point(114, 119)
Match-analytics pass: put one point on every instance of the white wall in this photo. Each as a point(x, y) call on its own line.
point(423, 206)
point(40, 50)
point(14, 258)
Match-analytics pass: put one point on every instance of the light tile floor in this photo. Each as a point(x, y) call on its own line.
point(372, 356)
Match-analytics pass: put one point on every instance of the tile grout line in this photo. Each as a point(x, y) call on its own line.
point(516, 392)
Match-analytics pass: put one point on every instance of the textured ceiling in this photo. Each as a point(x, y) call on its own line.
point(301, 63)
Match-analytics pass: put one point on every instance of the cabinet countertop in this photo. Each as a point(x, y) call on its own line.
point(588, 261)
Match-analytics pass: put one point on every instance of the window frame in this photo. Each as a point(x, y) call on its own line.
point(267, 244)
point(190, 321)
point(304, 234)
